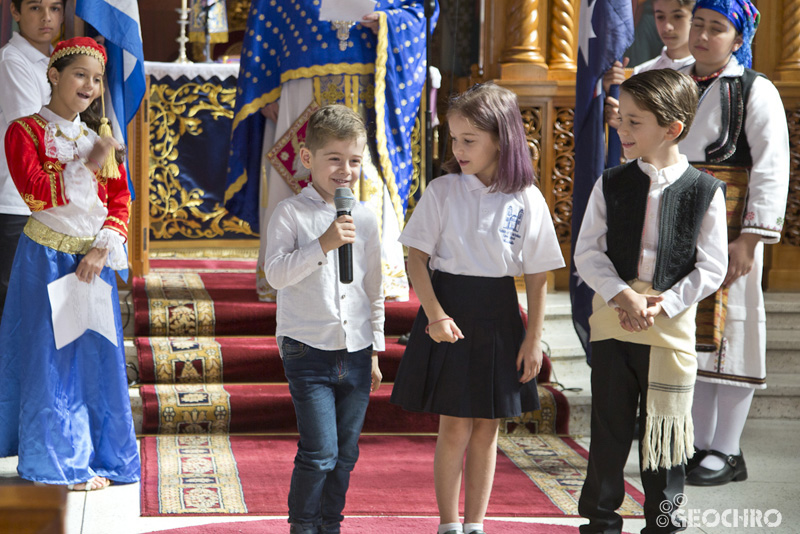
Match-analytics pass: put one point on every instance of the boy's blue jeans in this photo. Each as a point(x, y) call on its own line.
point(330, 391)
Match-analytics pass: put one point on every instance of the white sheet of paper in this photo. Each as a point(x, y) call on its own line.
point(354, 10)
point(77, 306)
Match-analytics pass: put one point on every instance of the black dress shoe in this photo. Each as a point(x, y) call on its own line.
point(694, 461)
point(734, 469)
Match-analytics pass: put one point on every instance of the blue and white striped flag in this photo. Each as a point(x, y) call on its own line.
point(118, 22)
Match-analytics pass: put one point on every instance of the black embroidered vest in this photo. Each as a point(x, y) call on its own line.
point(732, 147)
point(683, 206)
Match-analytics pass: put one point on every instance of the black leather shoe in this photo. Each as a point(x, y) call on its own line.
point(734, 469)
point(695, 460)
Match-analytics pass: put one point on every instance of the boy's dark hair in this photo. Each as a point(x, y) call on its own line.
point(686, 3)
point(18, 4)
point(333, 122)
point(668, 94)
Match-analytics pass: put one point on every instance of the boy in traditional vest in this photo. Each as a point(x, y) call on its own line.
point(653, 243)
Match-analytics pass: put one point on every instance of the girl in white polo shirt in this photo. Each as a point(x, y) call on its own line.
point(469, 357)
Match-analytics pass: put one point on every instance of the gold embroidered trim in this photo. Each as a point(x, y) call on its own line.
point(255, 105)
point(296, 74)
point(30, 132)
point(122, 223)
point(333, 68)
point(235, 187)
point(54, 170)
point(85, 50)
point(44, 235)
point(60, 133)
point(33, 204)
point(41, 121)
point(385, 163)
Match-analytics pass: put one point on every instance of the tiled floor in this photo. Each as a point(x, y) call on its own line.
point(770, 447)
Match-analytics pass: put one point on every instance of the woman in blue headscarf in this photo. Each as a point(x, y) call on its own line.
point(739, 135)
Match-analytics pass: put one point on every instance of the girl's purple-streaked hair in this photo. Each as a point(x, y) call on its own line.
point(495, 110)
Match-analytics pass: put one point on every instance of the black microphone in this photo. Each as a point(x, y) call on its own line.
point(344, 201)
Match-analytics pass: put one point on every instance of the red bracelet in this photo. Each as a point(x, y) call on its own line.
point(437, 321)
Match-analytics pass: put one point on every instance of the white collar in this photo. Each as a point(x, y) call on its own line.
point(312, 194)
point(667, 174)
point(51, 116)
point(680, 61)
point(27, 49)
point(733, 68)
point(473, 183)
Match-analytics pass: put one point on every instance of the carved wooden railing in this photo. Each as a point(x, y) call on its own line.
point(530, 46)
point(138, 165)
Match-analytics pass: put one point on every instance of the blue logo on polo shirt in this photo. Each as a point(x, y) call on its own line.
point(511, 225)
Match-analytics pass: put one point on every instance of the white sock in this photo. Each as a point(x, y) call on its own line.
point(470, 527)
point(704, 413)
point(734, 405)
point(444, 527)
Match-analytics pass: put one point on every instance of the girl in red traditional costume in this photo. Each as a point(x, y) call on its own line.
point(66, 411)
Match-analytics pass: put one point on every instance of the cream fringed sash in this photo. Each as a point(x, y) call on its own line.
point(669, 431)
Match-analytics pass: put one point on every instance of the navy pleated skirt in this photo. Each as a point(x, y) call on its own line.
point(475, 376)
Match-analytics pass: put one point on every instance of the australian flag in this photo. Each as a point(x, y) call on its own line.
point(118, 22)
point(606, 31)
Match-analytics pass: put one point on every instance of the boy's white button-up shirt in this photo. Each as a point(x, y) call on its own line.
point(468, 230)
point(23, 91)
point(596, 269)
point(663, 61)
point(314, 307)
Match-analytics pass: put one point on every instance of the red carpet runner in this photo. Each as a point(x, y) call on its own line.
point(538, 476)
point(227, 378)
point(373, 525)
point(165, 360)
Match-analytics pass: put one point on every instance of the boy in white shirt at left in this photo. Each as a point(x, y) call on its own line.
point(329, 332)
point(23, 91)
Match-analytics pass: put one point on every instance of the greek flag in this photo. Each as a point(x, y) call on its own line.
point(118, 22)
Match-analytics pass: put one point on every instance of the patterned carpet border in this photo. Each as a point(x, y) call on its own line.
point(198, 475)
point(373, 525)
point(265, 408)
point(557, 468)
point(204, 475)
point(179, 304)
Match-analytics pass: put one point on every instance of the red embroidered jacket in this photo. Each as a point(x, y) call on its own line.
point(40, 181)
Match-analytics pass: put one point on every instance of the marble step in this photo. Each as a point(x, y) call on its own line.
point(783, 352)
point(780, 400)
point(784, 321)
point(136, 409)
point(783, 311)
